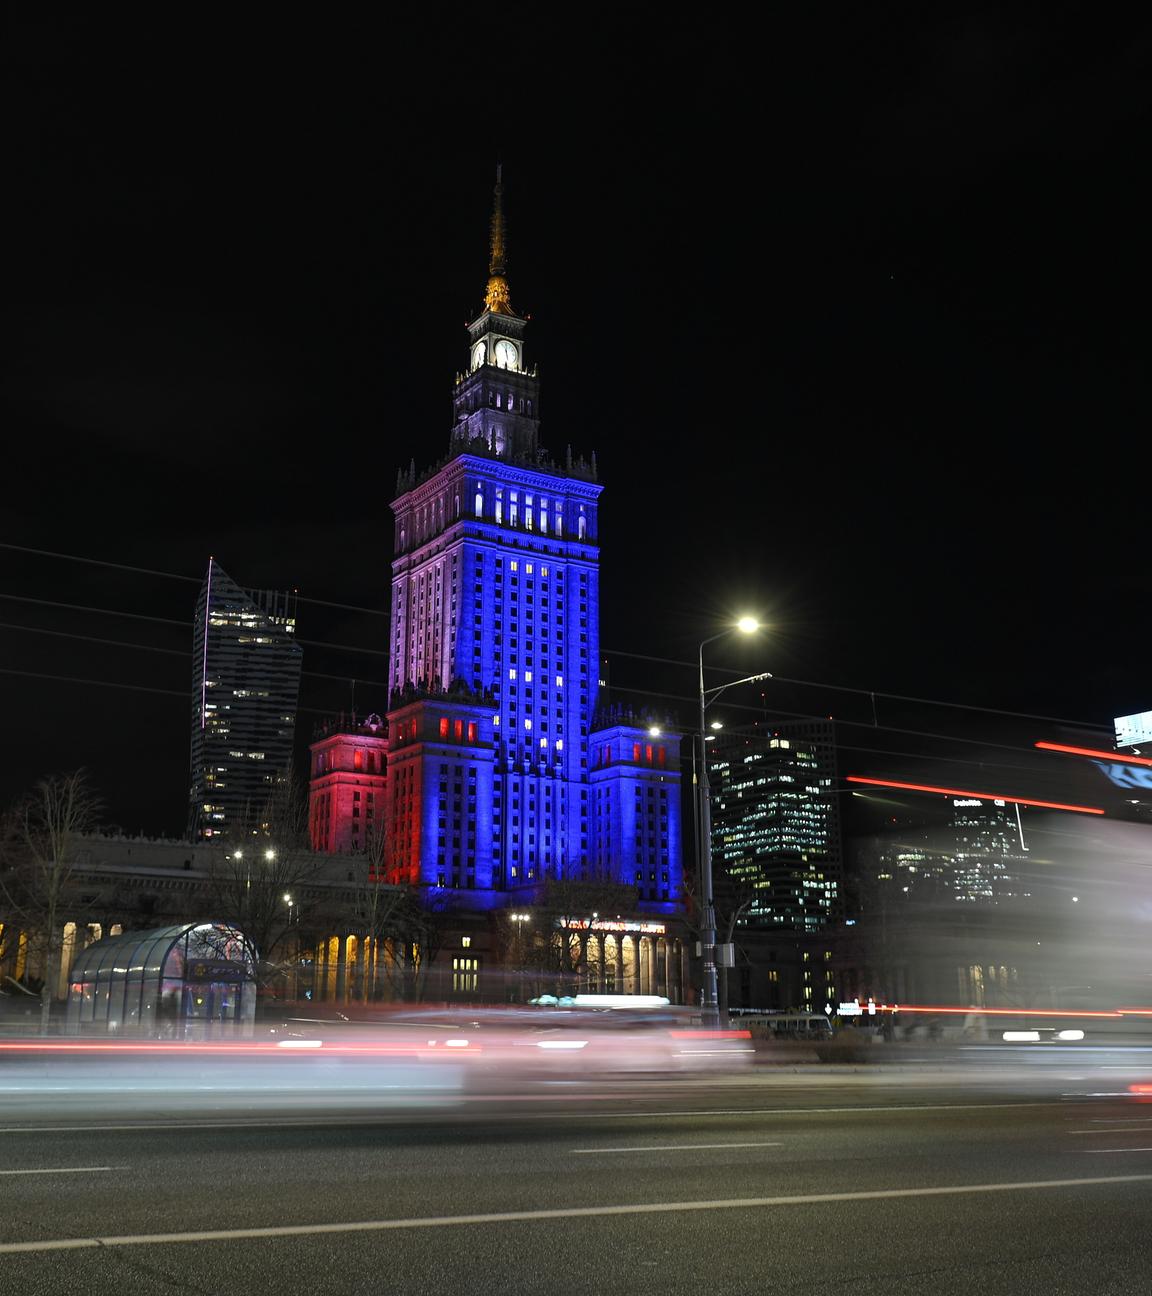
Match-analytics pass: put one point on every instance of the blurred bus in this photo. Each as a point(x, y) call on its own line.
point(807, 1027)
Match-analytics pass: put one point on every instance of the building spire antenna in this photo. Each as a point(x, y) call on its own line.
point(496, 299)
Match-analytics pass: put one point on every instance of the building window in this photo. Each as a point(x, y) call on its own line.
point(479, 503)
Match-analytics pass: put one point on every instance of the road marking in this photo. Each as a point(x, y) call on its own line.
point(1120, 1129)
point(574, 1212)
point(1089, 1151)
point(805, 1111)
point(671, 1147)
point(65, 1170)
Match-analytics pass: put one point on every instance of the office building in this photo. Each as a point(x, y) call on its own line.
point(245, 689)
point(776, 825)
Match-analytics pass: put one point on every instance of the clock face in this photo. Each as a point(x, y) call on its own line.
point(506, 355)
point(478, 356)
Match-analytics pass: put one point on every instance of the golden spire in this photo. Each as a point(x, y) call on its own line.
point(496, 298)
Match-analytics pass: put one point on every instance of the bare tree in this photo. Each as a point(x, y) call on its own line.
point(259, 880)
point(40, 839)
point(384, 918)
point(554, 951)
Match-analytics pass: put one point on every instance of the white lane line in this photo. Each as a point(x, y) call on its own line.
point(1090, 1151)
point(1107, 1133)
point(794, 1111)
point(1121, 1120)
point(64, 1170)
point(670, 1147)
point(574, 1212)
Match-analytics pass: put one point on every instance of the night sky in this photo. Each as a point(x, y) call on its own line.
point(854, 314)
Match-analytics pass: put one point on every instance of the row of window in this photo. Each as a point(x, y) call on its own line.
point(536, 511)
point(642, 754)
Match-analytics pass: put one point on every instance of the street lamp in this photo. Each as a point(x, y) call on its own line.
point(295, 952)
point(519, 919)
point(710, 1009)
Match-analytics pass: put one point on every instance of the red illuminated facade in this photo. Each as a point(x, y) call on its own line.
point(346, 795)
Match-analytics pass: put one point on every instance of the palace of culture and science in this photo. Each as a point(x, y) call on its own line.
point(502, 770)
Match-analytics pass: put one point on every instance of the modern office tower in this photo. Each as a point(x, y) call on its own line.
point(245, 689)
point(346, 787)
point(494, 642)
point(952, 848)
point(986, 850)
point(776, 825)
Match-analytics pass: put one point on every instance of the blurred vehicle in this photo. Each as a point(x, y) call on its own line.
point(805, 1027)
point(588, 1037)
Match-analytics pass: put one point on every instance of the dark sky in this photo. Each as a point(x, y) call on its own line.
point(853, 312)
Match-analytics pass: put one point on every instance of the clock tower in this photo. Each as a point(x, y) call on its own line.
point(498, 780)
point(497, 403)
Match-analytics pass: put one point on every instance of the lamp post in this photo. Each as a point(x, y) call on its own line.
point(519, 919)
point(710, 1009)
point(294, 947)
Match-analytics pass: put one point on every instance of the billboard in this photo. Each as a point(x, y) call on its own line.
point(1134, 729)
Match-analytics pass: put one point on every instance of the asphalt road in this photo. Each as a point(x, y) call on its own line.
point(857, 1182)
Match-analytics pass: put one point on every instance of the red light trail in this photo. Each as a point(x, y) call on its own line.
point(978, 796)
point(1113, 758)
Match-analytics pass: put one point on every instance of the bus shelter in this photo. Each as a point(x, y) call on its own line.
point(194, 980)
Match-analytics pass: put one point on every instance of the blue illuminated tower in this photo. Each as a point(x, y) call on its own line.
point(494, 643)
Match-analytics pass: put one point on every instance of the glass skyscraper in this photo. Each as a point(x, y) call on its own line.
point(245, 690)
point(776, 825)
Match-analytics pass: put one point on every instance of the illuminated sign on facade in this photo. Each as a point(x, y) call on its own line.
point(613, 925)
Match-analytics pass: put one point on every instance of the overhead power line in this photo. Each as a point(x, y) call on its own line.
point(195, 580)
point(109, 643)
point(138, 688)
point(172, 652)
point(873, 693)
point(77, 607)
point(610, 652)
point(184, 625)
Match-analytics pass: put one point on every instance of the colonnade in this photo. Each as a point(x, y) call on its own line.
point(647, 965)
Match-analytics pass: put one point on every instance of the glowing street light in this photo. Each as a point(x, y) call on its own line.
point(710, 1009)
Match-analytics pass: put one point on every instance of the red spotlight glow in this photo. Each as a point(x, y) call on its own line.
point(981, 796)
